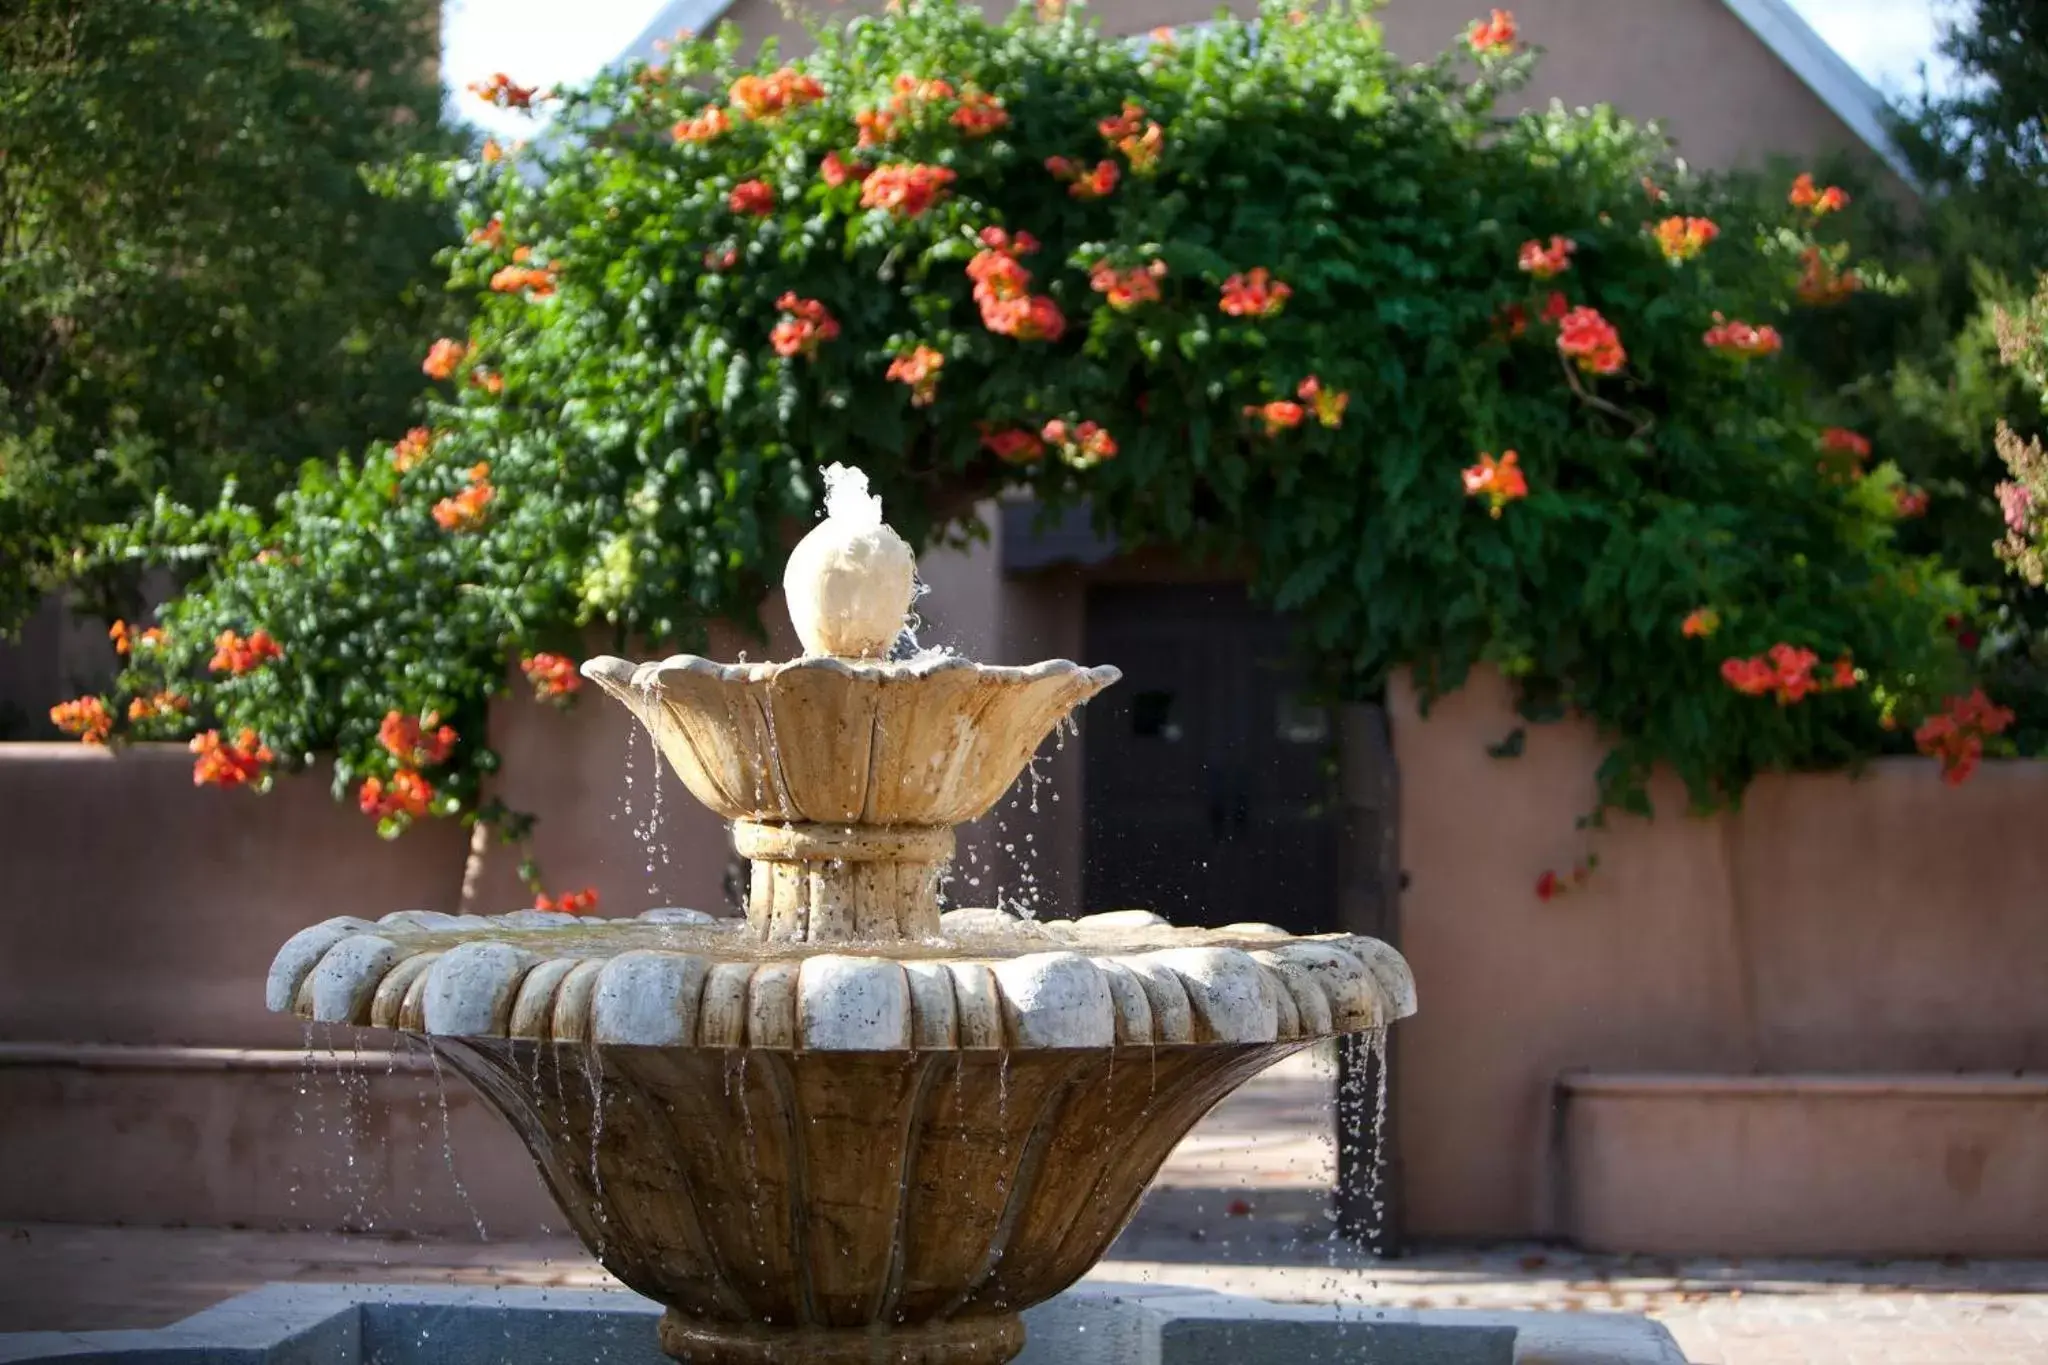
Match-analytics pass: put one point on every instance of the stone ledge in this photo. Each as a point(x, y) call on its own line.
point(1094, 1325)
point(1893, 1165)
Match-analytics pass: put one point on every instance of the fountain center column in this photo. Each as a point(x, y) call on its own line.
point(820, 883)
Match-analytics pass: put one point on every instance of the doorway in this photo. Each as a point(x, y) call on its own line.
point(1208, 775)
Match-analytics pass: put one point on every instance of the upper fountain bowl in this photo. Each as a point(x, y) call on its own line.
point(933, 741)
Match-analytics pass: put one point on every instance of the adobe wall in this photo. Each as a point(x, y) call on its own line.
point(1881, 924)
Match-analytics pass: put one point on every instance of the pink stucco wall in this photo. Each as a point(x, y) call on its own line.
point(1882, 924)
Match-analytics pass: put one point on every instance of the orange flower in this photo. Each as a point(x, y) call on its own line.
point(1254, 295)
point(1681, 239)
point(1653, 192)
point(1844, 676)
point(443, 357)
point(415, 742)
point(717, 262)
point(407, 794)
point(770, 95)
point(979, 114)
point(1500, 482)
point(157, 706)
point(1555, 308)
point(1783, 669)
point(465, 511)
point(491, 234)
point(492, 153)
point(808, 327)
point(1329, 404)
point(1013, 445)
point(1805, 195)
point(712, 122)
point(1911, 502)
point(1590, 341)
point(1957, 735)
point(1700, 623)
point(411, 448)
point(569, 903)
point(85, 717)
point(224, 764)
point(1510, 322)
point(126, 640)
point(1820, 283)
point(1082, 182)
point(1545, 262)
point(553, 676)
point(490, 381)
point(836, 171)
point(500, 90)
point(1493, 36)
point(919, 368)
point(1847, 442)
point(235, 656)
point(1002, 289)
point(876, 126)
point(537, 281)
point(1083, 446)
point(1126, 289)
point(1740, 341)
point(756, 197)
point(1278, 415)
point(906, 189)
point(1140, 140)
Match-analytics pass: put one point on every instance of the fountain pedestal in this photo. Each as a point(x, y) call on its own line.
point(814, 883)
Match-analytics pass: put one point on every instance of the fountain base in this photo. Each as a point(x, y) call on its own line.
point(966, 1341)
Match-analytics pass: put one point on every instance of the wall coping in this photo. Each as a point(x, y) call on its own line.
point(1807, 1085)
point(119, 1057)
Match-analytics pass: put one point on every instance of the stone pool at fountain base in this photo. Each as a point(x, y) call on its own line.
point(1094, 1324)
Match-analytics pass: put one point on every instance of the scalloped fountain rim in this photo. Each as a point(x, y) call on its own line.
point(678, 978)
point(827, 740)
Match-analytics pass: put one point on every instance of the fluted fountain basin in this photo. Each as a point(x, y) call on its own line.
point(814, 1156)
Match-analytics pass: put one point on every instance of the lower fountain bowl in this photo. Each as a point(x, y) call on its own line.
point(809, 1208)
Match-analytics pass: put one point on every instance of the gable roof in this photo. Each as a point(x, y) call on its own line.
point(1775, 23)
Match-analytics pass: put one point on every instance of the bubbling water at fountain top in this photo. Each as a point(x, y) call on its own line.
point(850, 582)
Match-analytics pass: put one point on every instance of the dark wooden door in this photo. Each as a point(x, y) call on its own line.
point(1208, 776)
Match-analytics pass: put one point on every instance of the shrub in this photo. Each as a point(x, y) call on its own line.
point(1460, 388)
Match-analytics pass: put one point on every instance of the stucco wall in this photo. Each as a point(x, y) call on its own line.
point(1882, 924)
point(1692, 65)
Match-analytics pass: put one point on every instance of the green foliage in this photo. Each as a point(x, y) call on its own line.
point(196, 283)
point(649, 450)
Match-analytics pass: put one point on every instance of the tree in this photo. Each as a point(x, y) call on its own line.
point(198, 285)
point(1461, 387)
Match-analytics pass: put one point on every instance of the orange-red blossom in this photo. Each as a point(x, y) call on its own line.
point(1124, 290)
point(756, 197)
point(85, 717)
point(552, 675)
point(126, 639)
point(712, 122)
point(1957, 735)
point(1786, 671)
point(1328, 404)
point(503, 92)
point(1084, 182)
point(1700, 623)
point(906, 189)
point(1681, 239)
point(1278, 415)
point(416, 742)
point(537, 281)
point(772, 94)
point(1500, 481)
point(443, 357)
point(979, 114)
point(808, 326)
point(229, 764)
point(235, 655)
point(1083, 445)
point(1805, 195)
point(1820, 284)
point(1742, 341)
point(569, 902)
point(1254, 294)
point(1002, 289)
point(1546, 262)
point(407, 794)
point(1493, 36)
point(465, 511)
point(919, 368)
point(408, 450)
point(1590, 341)
point(157, 706)
point(1013, 445)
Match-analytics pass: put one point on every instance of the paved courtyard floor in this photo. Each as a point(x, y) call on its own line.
point(1242, 1208)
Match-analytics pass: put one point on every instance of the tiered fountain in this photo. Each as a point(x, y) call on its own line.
point(848, 1127)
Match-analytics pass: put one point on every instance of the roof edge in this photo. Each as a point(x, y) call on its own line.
point(1839, 85)
point(698, 16)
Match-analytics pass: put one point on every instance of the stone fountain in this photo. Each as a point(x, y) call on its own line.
point(850, 1127)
